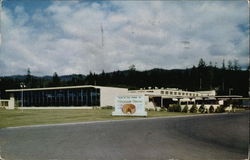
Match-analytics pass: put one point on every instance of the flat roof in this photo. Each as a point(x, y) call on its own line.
point(242, 98)
point(148, 90)
point(56, 88)
point(229, 96)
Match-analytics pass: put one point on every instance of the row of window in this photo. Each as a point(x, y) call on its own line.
point(179, 93)
point(66, 97)
point(4, 103)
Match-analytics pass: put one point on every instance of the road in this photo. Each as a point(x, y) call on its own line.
point(220, 136)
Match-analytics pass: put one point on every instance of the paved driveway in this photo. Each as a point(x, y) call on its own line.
point(216, 137)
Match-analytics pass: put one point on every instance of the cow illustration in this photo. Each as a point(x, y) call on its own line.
point(128, 108)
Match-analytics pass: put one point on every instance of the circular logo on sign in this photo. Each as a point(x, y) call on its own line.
point(128, 109)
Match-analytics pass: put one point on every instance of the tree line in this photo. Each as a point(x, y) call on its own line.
point(227, 79)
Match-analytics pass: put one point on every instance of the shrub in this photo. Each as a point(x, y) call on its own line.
point(193, 109)
point(211, 109)
point(171, 108)
point(185, 109)
point(177, 108)
point(162, 109)
point(202, 109)
point(220, 109)
point(158, 108)
point(206, 110)
point(17, 103)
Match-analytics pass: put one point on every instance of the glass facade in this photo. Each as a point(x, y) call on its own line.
point(60, 97)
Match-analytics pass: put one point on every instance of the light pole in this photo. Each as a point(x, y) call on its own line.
point(0, 91)
point(230, 91)
point(22, 85)
point(249, 54)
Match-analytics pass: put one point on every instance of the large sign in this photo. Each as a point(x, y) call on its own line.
point(130, 105)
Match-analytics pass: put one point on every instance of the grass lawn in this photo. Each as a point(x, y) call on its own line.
point(11, 118)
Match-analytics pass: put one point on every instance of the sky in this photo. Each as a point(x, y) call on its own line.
point(76, 37)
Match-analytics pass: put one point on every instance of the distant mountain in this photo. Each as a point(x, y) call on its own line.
point(70, 77)
point(21, 77)
point(47, 77)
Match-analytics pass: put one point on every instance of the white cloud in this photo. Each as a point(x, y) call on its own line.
point(66, 37)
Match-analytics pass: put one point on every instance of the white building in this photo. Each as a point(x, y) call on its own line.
point(69, 96)
point(163, 97)
point(88, 96)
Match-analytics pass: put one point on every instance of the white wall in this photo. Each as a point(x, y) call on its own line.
point(108, 94)
point(207, 93)
point(11, 103)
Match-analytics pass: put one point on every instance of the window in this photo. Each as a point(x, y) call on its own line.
point(4, 103)
point(171, 93)
point(183, 103)
point(162, 92)
point(191, 102)
point(166, 92)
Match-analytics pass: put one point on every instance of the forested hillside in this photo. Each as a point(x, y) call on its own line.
point(200, 77)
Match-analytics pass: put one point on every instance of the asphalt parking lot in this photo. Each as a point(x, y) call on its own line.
point(218, 137)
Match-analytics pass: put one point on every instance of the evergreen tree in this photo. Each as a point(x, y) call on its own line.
point(202, 77)
point(236, 65)
point(202, 63)
point(132, 67)
point(230, 65)
point(223, 65)
point(210, 64)
point(102, 79)
point(28, 79)
point(90, 79)
point(202, 73)
point(56, 81)
point(215, 64)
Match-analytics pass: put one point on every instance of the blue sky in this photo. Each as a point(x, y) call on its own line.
point(29, 5)
point(65, 36)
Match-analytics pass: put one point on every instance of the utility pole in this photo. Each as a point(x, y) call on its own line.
point(1, 8)
point(22, 85)
point(223, 85)
point(200, 83)
point(249, 76)
point(102, 35)
point(248, 53)
point(230, 91)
